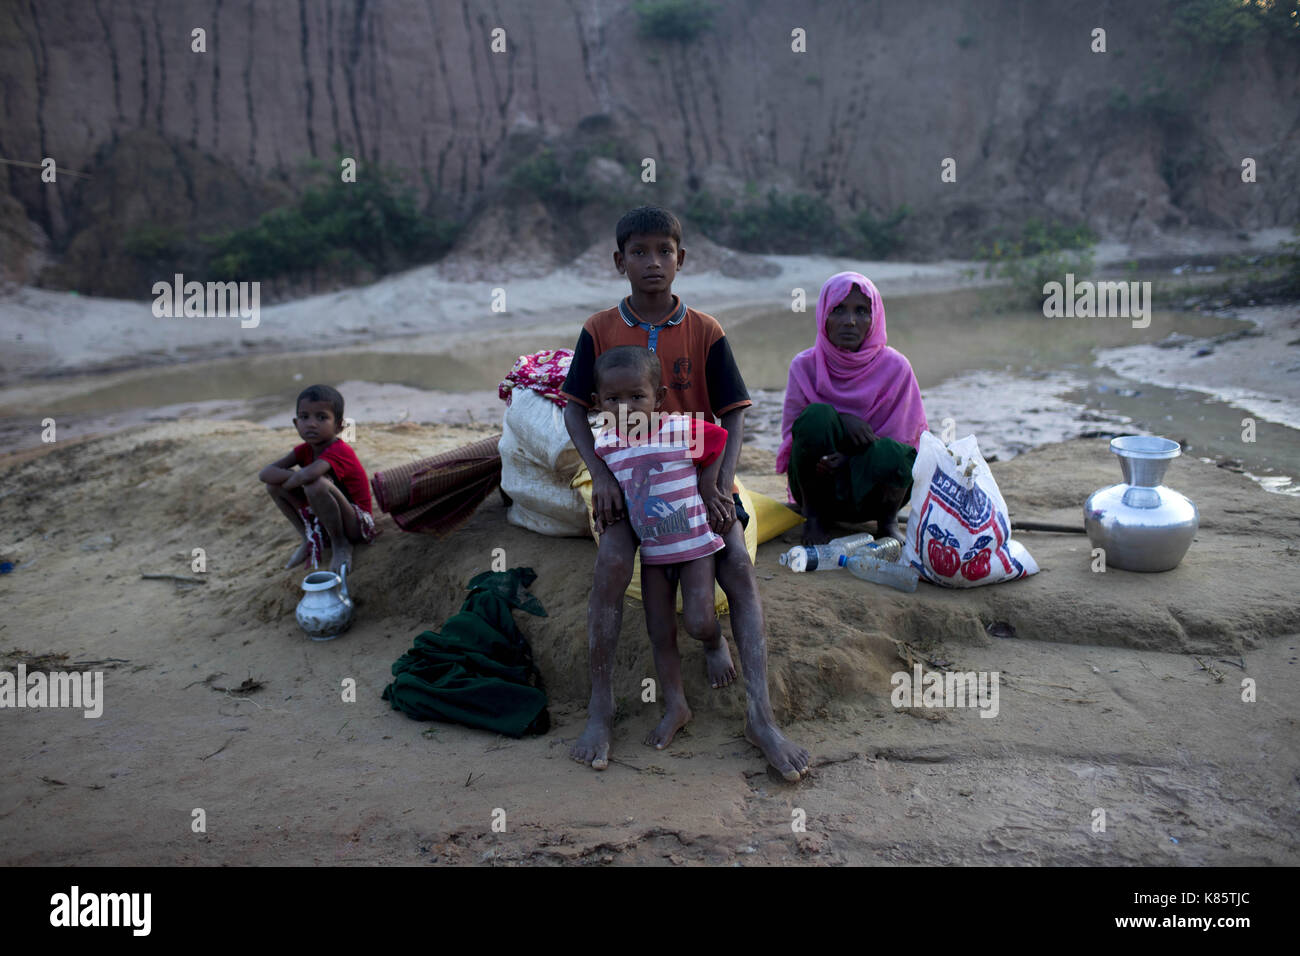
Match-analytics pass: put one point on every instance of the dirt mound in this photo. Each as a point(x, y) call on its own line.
point(86, 520)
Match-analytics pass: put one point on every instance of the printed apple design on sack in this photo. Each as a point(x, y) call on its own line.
point(975, 562)
point(944, 557)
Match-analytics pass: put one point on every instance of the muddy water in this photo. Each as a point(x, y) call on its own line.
point(1015, 379)
point(944, 336)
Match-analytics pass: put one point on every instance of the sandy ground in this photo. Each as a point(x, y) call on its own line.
point(1102, 702)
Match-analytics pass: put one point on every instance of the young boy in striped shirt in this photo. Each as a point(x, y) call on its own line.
point(661, 461)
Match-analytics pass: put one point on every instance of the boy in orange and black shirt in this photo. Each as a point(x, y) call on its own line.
point(702, 377)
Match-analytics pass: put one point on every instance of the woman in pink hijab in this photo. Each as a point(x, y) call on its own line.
point(853, 416)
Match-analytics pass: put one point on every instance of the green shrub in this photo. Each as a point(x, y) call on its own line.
point(680, 21)
point(876, 238)
point(1043, 252)
point(152, 244)
point(1225, 23)
point(707, 213)
point(1289, 262)
point(557, 176)
point(792, 223)
point(370, 224)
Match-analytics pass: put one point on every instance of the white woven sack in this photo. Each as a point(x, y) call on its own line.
point(958, 529)
point(542, 500)
point(538, 426)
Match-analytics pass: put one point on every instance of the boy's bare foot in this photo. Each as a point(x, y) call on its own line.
point(340, 554)
point(593, 746)
point(299, 556)
point(814, 532)
point(789, 759)
point(675, 718)
point(721, 670)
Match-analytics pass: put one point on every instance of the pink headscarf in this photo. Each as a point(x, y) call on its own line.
point(875, 383)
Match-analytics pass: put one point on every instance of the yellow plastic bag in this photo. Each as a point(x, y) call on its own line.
point(757, 506)
point(773, 518)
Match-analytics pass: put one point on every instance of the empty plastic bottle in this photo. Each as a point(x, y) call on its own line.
point(817, 557)
point(826, 557)
point(885, 548)
point(868, 567)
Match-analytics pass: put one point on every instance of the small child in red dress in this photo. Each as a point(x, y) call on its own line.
point(327, 499)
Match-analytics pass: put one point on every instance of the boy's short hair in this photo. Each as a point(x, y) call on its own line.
point(636, 357)
point(648, 221)
point(321, 393)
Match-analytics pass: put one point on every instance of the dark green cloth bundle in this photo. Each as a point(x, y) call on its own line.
point(479, 671)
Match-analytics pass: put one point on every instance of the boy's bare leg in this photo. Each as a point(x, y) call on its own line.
point(660, 597)
point(289, 502)
point(604, 621)
point(699, 610)
point(337, 517)
point(736, 575)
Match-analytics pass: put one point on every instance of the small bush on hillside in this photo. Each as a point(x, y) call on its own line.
point(1042, 252)
point(372, 224)
point(876, 238)
point(680, 21)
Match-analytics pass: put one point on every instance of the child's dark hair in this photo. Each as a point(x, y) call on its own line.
point(636, 357)
point(321, 393)
point(648, 221)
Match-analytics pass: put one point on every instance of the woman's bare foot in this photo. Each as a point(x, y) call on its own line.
point(675, 719)
point(340, 554)
point(890, 528)
point(299, 556)
point(718, 657)
point(592, 747)
point(789, 759)
point(814, 532)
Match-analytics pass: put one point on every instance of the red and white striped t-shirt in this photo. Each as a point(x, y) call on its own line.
point(660, 481)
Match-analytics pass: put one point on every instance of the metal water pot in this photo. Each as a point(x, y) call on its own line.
point(325, 610)
point(1141, 524)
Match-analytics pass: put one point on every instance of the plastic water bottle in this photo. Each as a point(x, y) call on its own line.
point(868, 567)
point(817, 557)
point(826, 557)
point(886, 549)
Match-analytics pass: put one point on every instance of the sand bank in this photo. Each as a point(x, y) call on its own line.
point(1102, 703)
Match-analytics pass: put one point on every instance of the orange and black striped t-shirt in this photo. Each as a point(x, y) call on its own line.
point(698, 367)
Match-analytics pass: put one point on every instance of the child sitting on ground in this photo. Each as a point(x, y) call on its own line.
point(327, 499)
point(660, 461)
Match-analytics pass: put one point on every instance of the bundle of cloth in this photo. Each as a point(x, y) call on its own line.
point(479, 670)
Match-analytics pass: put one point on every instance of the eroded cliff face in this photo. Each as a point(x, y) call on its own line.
point(1144, 137)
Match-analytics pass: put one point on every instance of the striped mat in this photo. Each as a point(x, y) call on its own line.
point(437, 495)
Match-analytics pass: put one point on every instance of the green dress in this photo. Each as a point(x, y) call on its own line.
point(853, 494)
